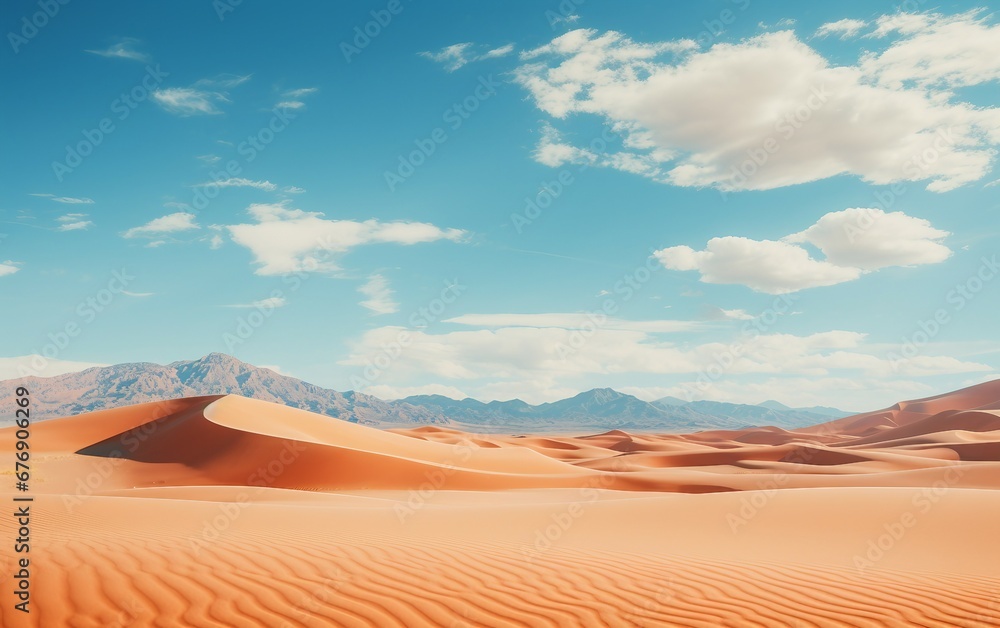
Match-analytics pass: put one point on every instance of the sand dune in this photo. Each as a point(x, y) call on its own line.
point(223, 511)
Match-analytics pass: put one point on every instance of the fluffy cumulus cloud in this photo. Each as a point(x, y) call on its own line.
point(285, 240)
point(764, 265)
point(770, 111)
point(870, 239)
point(379, 295)
point(853, 241)
point(171, 223)
point(540, 363)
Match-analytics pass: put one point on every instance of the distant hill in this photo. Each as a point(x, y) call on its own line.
point(599, 409)
point(125, 384)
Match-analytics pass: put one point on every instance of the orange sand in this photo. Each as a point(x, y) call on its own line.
point(224, 511)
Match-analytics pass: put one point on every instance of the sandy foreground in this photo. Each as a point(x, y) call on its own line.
point(224, 511)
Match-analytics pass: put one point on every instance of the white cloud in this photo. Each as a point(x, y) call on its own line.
point(871, 239)
point(122, 50)
point(292, 99)
point(286, 240)
point(575, 320)
point(269, 303)
point(240, 182)
point(763, 265)
point(39, 366)
point(735, 314)
point(202, 98)
point(171, 223)
point(537, 363)
point(501, 51)
point(379, 295)
point(936, 51)
point(9, 268)
point(452, 57)
point(770, 111)
point(215, 242)
point(73, 222)
point(139, 295)
point(301, 92)
point(188, 101)
point(845, 28)
point(455, 56)
point(292, 189)
point(69, 200)
point(209, 159)
point(854, 241)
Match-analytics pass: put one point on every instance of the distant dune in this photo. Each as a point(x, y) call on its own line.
point(228, 511)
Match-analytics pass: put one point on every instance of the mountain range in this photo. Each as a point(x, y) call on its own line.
point(601, 409)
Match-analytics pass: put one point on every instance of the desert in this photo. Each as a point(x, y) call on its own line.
point(223, 510)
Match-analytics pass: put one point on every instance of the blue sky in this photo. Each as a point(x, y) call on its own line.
point(735, 200)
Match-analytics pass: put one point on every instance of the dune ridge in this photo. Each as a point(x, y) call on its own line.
point(221, 511)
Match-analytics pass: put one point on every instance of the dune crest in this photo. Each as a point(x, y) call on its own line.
point(221, 510)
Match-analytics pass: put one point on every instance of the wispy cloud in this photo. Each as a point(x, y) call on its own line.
point(68, 200)
point(455, 56)
point(292, 99)
point(73, 222)
point(240, 182)
point(202, 98)
point(138, 294)
point(293, 190)
point(379, 295)
point(124, 49)
point(844, 29)
point(171, 223)
point(264, 304)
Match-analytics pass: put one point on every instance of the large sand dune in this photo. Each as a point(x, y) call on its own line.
point(223, 511)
